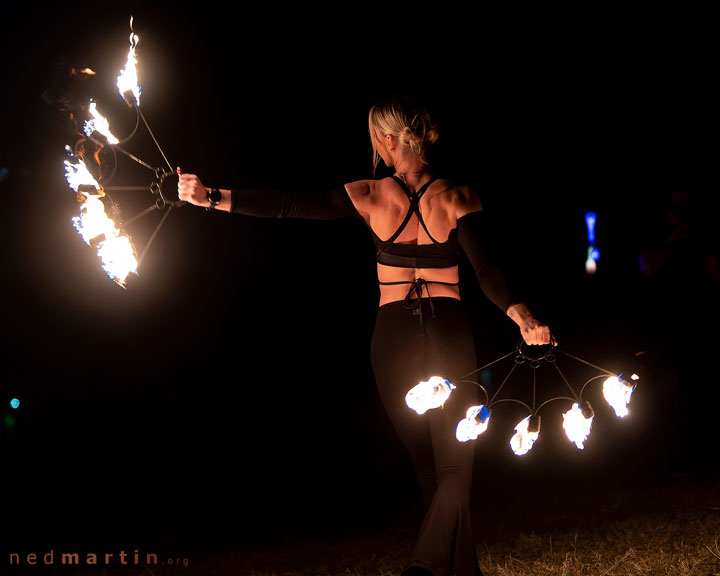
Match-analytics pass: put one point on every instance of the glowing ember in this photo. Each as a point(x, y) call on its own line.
point(577, 424)
point(475, 423)
point(617, 392)
point(525, 436)
point(127, 81)
point(115, 249)
point(99, 124)
point(431, 394)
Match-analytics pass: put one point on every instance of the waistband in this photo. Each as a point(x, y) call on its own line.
point(424, 301)
point(414, 298)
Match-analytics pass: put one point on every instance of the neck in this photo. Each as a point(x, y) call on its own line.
point(406, 174)
point(414, 180)
point(413, 171)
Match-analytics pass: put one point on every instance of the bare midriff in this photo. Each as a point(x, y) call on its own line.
point(437, 278)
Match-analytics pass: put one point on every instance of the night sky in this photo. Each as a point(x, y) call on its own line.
point(227, 391)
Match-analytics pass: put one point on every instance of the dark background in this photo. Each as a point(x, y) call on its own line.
point(225, 395)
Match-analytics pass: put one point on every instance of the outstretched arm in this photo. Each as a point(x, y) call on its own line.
point(269, 202)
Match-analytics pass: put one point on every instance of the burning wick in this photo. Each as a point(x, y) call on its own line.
point(526, 433)
point(475, 423)
point(428, 395)
point(617, 392)
point(96, 228)
point(127, 81)
point(577, 422)
point(82, 181)
point(99, 125)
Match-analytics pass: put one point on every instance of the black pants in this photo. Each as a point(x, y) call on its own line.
point(402, 356)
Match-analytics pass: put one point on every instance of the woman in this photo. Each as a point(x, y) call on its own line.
point(419, 224)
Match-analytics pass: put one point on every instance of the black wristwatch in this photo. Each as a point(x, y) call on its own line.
point(214, 196)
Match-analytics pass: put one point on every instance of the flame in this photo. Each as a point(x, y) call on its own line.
point(115, 249)
point(92, 221)
point(99, 124)
point(127, 80)
point(118, 257)
point(475, 423)
point(88, 71)
point(78, 175)
point(523, 440)
point(431, 394)
point(577, 427)
point(617, 392)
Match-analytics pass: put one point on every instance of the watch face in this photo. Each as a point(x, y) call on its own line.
point(215, 196)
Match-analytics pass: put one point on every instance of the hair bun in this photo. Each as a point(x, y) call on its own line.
point(409, 123)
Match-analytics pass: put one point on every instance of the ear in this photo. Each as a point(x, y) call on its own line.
point(390, 141)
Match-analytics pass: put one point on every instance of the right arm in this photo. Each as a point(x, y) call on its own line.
point(269, 202)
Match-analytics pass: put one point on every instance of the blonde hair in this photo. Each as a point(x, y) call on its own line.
point(409, 123)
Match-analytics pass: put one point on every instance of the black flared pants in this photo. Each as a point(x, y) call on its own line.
point(409, 347)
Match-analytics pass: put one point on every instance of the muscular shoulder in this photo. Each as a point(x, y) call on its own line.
point(460, 198)
point(365, 193)
point(360, 191)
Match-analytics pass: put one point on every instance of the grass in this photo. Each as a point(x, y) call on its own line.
point(668, 528)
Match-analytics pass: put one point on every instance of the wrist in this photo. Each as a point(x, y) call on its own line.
point(521, 315)
point(213, 196)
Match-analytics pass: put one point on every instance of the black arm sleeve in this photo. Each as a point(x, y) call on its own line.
point(311, 204)
point(471, 230)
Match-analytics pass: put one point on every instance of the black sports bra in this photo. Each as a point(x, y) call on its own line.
point(435, 255)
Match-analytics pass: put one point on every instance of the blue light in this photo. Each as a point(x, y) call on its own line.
point(590, 220)
point(14, 403)
point(595, 254)
point(484, 414)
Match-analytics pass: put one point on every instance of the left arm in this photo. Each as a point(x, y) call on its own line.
point(470, 234)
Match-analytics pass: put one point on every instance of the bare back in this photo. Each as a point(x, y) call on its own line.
point(384, 204)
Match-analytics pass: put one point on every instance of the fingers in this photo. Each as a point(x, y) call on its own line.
point(538, 334)
point(183, 192)
point(190, 188)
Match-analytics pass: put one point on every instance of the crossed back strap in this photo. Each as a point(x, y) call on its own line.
point(414, 208)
